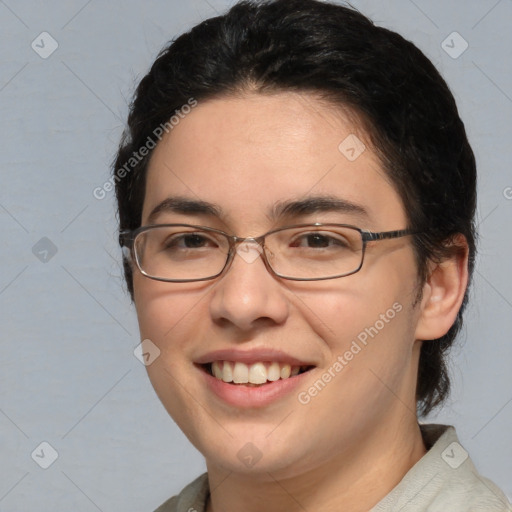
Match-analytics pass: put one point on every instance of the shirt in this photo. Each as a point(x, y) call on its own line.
point(443, 480)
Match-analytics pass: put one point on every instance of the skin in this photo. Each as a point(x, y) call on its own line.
point(353, 442)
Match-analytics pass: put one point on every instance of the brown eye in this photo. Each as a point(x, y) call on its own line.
point(187, 241)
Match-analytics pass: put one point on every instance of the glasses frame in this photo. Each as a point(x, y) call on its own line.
point(127, 239)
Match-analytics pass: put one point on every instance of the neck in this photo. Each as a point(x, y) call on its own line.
point(353, 481)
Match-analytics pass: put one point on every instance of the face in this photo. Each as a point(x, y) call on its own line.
point(353, 335)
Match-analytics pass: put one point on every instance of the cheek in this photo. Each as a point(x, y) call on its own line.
point(367, 326)
point(369, 360)
point(169, 318)
point(164, 310)
point(350, 311)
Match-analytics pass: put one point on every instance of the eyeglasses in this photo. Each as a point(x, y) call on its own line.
point(303, 252)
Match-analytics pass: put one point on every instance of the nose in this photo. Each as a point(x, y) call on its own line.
point(247, 295)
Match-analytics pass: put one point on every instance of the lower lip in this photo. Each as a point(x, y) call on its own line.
point(239, 395)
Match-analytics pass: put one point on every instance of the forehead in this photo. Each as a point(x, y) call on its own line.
point(249, 154)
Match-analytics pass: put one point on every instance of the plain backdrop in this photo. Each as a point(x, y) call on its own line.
point(68, 375)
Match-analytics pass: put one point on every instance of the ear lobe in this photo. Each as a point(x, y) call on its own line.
point(443, 292)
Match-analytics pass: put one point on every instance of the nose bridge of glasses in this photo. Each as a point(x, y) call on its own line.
point(250, 239)
point(249, 249)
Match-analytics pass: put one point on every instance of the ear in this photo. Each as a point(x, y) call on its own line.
point(443, 292)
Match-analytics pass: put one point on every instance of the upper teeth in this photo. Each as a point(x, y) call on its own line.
point(256, 373)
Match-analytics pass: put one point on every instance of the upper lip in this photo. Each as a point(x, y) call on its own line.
point(251, 357)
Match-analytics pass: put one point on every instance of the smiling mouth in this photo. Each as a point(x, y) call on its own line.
point(256, 374)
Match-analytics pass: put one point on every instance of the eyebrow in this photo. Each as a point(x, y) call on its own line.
point(281, 209)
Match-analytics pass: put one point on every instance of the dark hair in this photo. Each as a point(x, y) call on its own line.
point(336, 53)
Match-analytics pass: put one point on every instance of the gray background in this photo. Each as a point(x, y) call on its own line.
point(68, 375)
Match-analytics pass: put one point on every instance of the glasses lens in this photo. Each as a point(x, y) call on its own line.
point(315, 252)
point(180, 252)
point(185, 253)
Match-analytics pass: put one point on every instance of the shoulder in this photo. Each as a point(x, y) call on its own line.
point(191, 499)
point(444, 479)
